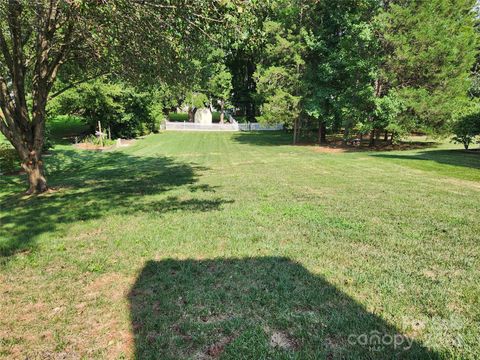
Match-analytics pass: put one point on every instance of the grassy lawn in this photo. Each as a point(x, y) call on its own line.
point(206, 245)
point(63, 126)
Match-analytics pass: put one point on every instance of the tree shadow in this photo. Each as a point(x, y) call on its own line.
point(263, 138)
point(254, 308)
point(462, 158)
point(90, 185)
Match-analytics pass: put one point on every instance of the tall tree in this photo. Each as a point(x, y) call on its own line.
point(141, 39)
point(279, 76)
point(220, 81)
point(341, 60)
point(429, 48)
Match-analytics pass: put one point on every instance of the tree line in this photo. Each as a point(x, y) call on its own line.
point(364, 67)
point(361, 67)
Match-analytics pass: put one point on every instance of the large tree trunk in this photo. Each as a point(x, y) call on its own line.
point(28, 141)
point(27, 137)
point(30, 152)
point(23, 128)
point(36, 177)
point(222, 111)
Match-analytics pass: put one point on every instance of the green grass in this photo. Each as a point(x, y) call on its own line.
point(60, 127)
point(197, 245)
point(65, 126)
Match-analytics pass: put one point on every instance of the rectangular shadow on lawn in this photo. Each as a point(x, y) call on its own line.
point(257, 308)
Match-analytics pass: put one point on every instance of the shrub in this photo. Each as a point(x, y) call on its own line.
point(156, 112)
point(48, 140)
point(466, 129)
point(126, 111)
point(94, 140)
point(135, 119)
point(9, 160)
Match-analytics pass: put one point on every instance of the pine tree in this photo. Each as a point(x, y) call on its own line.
point(430, 48)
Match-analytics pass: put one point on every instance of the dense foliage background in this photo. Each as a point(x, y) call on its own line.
point(362, 67)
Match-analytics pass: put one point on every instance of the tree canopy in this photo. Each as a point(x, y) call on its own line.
point(356, 66)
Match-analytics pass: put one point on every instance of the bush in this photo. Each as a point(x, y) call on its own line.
point(94, 140)
point(123, 109)
point(156, 112)
point(466, 129)
point(135, 119)
point(48, 140)
point(9, 160)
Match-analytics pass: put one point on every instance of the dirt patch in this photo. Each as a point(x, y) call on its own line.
point(114, 285)
point(89, 146)
point(416, 328)
point(94, 233)
point(212, 319)
point(100, 317)
point(333, 343)
point(119, 144)
point(127, 142)
point(215, 351)
point(339, 147)
point(332, 150)
point(282, 340)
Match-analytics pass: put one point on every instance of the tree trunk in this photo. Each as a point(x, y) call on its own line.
point(295, 131)
point(372, 138)
point(346, 135)
point(21, 121)
point(250, 112)
point(222, 111)
point(385, 138)
point(322, 132)
point(191, 115)
point(374, 133)
point(36, 177)
point(319, 132)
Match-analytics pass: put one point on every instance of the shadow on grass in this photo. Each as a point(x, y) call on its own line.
point(448, 157)
point(276, 138)
point(263, 138)
point(91, 185)
point(256, 308)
